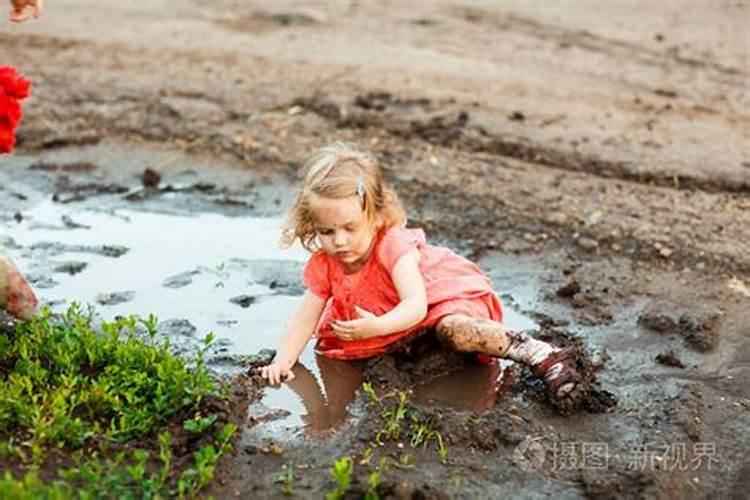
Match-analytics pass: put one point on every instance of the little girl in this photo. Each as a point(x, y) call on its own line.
point(373, 285)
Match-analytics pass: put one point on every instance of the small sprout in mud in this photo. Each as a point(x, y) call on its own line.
point(370, 392)
point(405, 461)
point(394, 417)
point(286, 479)
point(150, 324)
point(442, 450)
point(342, 471)
point(373, 481)
point(366, 456)
point(401, 419)
point(199, 424)
point(458, 481)
point(221, 272)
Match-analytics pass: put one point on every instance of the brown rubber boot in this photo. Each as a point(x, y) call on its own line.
point(559, 373)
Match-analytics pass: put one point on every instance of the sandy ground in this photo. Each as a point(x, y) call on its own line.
point(599, 149)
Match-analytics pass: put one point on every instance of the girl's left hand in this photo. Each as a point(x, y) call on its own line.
point(361, 328)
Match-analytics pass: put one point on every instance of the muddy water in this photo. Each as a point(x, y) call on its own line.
point(200, 274)
point(214, 273)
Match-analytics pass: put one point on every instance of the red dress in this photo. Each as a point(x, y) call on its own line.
point(454, 285)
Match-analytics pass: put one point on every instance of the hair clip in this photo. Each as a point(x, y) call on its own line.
point(361, 190)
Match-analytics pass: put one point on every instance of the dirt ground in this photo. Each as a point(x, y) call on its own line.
point(598, 150)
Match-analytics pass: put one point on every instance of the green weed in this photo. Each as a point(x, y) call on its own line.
point(342, 471)
point(286, 479)
point(401, 420)
point(65, 384)
point(373, 481)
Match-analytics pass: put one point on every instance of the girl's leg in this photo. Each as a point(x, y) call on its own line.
point(485, 336)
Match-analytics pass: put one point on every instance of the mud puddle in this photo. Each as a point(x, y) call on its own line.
point(196, 245)
point(225, 275)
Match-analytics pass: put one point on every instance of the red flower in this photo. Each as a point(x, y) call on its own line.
point(13, 88)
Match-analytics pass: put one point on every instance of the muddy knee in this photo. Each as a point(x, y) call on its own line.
point(450, 334)
point(472, 335)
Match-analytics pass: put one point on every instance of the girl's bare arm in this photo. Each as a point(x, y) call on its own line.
point(299, 329)
point(411, 290)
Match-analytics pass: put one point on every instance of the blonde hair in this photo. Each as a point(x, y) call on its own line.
point(341, 170)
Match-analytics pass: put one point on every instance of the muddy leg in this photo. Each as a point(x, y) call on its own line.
point(467, 334)
point(464, 334)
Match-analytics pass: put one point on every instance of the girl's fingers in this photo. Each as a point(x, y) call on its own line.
point(38, 8)
point(347, 325)
point(363, 313)
point(339, 328)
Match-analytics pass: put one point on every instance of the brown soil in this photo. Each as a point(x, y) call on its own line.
point(604, 148)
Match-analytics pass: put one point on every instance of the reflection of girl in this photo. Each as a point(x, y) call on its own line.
point(327, 406)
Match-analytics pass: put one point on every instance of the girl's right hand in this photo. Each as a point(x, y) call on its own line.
point(276, 372)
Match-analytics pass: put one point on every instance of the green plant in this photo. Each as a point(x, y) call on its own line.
point(366, 456)
point(75, 387)
point(198, 424)
point(373, 481)
point(370, 392)
point(394, 417)
point(342, 471)
point(286, 479)
point(404, 461)
point(458, 482)
point(402, 419)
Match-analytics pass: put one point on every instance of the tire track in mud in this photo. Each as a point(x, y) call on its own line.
point(448, 126)
point(586, 40)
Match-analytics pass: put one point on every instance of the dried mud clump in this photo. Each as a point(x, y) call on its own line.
point(699, 330)
point(590, 308)
point(669, 358)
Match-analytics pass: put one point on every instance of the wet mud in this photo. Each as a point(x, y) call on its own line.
point(598, 173)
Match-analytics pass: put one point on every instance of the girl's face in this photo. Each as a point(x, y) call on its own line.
point(343, 230)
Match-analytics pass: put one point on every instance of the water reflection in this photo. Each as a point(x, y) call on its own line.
point(326, 406)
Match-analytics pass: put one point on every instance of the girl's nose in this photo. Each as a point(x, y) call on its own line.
point(339, 238)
